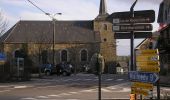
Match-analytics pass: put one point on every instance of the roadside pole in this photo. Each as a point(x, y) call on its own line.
point(132, 40)
point(99, 77)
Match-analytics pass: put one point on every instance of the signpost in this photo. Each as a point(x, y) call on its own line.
point(141, 58)
point(139, 91)
point(136, 27)
point(137, 35)
point(153, 69)
point(142, 85)
point(148, 63)
point(143, 77)
point(147, 52)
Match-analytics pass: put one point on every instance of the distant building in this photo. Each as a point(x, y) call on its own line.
point(75, 41)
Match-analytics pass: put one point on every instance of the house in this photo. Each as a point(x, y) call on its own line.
point(75, 41)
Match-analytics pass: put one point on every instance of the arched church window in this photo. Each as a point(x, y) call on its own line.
point(84, 55)
point(44, 56)
point(105, 26)
point(64, 55)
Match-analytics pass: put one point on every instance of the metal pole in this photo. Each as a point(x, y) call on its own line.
point(53, 42)
point(132, 40)
point(158, 90)
point(99, 77)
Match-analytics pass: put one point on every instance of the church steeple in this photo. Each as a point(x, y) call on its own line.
point(103, 8)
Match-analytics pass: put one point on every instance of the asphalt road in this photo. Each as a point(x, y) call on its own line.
point(79, 87)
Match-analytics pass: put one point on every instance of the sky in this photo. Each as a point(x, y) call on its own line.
point(15, 10)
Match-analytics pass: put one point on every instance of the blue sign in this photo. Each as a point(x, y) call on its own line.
point(2, 57)
point(143, 77)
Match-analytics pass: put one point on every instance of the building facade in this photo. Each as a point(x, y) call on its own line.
point(75, 41)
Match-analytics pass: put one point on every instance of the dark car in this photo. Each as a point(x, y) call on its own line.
point(64, 69)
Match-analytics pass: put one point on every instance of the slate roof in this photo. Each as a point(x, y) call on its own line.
point(42, 32)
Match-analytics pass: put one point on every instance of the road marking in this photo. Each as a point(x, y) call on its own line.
point(29, 99)
point(5, 91)
point(90, 90)
point(20, 87)
point(42, 97)
point(53, 95)
point(106, 90)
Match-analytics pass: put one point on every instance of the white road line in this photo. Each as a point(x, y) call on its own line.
point(29, 99)
point(53, 95)
point(105, 90)
point(90, 90)
point(119, 79)
point(20, 87)
point(42, 97)
point(5, 91)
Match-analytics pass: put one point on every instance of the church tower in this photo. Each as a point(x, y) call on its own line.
point(104, 27)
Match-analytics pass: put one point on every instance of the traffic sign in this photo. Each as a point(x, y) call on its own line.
point(130, 20)
point(136, 27)
point(2, 56)
point(147, 58)
point(141, 16)
point(139, 91)
point(143, 76)
point(127, 35)
point(154, 69)
point(147, 52)
point(148, 63)
point(142, 85)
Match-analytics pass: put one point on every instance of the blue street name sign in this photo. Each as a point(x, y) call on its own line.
point(143, 77)
point(2, 57)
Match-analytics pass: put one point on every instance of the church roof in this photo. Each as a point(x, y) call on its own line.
point(42, 32)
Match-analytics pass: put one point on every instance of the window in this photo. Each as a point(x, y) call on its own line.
point(83, 55)
point(105, 27)
point(44, 55)
point(64, 55)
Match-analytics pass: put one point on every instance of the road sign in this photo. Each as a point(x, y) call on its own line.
point(139, 91)
point(147, 52)
point(141, 16)
point(154, 69)
point(130, 20)
point(127, 35)
point(2, 56)
point(136, 27)
point(143, 76)
point(147, 58)
point(148, 63)
point(142, 85)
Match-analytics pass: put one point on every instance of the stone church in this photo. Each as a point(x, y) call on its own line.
point(75, 41)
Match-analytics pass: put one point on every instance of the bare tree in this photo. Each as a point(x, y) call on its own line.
point(3, 24)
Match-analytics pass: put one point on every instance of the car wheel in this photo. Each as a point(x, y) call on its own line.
point(48, 73)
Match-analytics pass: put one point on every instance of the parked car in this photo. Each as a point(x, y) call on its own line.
point(60, 69)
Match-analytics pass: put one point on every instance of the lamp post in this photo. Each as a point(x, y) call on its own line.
point(53, 21)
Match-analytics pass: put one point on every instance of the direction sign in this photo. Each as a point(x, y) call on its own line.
point(147, 58)
point(141, 16)
point(154, 69)
point(136, 27)
point(127, 35)
point(142, 85)
point(139, 91)
point(130, 20)
point(147, 52)
point(143, 76)
point(148, 63)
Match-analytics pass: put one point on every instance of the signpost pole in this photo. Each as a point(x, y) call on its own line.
point(132, 40)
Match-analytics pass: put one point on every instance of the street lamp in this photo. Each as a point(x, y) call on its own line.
point(53, 21)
